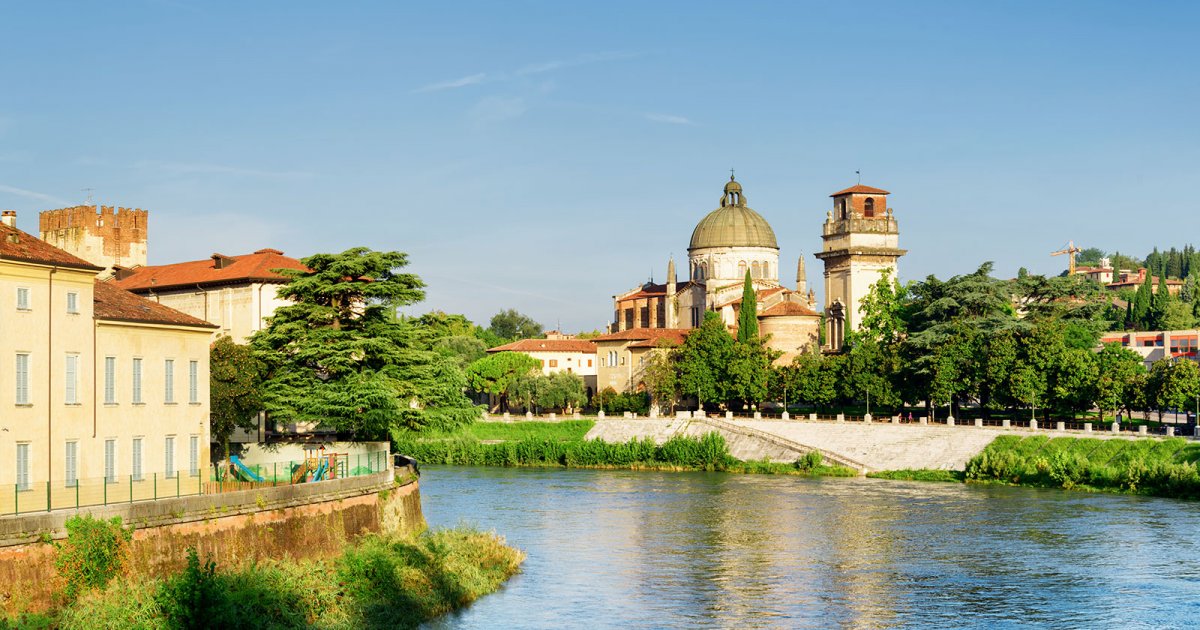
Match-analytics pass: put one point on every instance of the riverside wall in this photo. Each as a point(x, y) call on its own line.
point(301, 521)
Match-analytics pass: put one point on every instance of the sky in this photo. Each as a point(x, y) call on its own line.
point(545, 156)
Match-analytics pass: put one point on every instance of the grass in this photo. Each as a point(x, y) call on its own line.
point(381, 581)
point(516, 431)
point(923, 474)
point(1153, 467)
point(708, 452)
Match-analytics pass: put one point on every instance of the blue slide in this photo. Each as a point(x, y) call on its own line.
point(321, 470)
point(241, 470)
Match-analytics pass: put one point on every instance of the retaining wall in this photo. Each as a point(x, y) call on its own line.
point(294, 521)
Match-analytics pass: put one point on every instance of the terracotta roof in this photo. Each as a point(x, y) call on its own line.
point(760, 294)
point(113, 303)
point(860, 189)
point(675, 338)
point(547, 345)
point(638, 334)
point(18, 245)
point(788, 309)
point(256, 267)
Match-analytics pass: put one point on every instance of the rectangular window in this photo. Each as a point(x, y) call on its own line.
point(169, 381)
point(23, 466)
point(22, 299)
point(72, 464)
point(71, 380)
point(136, 466)
point(137, 381)
point(193, 381)
point(72, 302)
point(22, 378)
point(589, 363)
point(110, 461)
point(169, 456)
point(553, 362)
point(194, 456)
point(110, 380)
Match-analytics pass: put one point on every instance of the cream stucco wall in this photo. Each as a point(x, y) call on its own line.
point(239, 310)
point(619, 366)
point(723, 265)
point(48, 421)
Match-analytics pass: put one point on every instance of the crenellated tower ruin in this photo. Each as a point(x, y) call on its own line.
point(108, 237)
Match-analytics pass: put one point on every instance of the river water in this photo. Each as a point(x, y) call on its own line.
point(683, 550)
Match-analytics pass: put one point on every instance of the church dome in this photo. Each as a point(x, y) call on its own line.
point(733, 224)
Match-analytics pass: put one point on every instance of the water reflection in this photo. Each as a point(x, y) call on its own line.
point(642, 549)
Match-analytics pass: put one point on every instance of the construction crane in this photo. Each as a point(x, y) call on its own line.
point(1070, 250)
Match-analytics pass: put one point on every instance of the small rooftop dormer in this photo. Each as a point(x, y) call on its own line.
point(221, 261)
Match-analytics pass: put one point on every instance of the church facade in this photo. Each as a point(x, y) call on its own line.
point(860, 240)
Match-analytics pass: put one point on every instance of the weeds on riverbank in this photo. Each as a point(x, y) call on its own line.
point(565, 430)
point(708, 452)
point(1155, 467)
point(920, 474)
point(381, 581)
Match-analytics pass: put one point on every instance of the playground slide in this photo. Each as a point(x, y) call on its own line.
point(241, 470)
point(321, 470)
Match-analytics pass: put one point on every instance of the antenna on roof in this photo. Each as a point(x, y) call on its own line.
point(89, 194)
point(859, 173)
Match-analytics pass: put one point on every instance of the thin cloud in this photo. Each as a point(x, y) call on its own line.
point(550, 66)
point(32, 194)
point(669, 119)
point(452, 85)
point(187, 168)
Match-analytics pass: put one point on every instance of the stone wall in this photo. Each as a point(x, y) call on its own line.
point(296, 521)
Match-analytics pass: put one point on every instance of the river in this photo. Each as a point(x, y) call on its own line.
point(682, 550)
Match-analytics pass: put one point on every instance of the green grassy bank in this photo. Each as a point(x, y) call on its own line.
point(1154, 467)
point(378, 582)
point(532, 448)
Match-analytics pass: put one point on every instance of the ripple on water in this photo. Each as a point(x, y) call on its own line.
point(646, 549)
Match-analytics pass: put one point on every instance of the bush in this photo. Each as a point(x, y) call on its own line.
point(93, 554)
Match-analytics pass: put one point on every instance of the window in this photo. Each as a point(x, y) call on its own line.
point(869, 207)
point(110, 380)
point(589, 363)
point(71, 380)
point(553, 362)
point(193, 381)
point(169, 381)
point(110, 461)
point(741, 270)
point(22, 298)
point(72, 302)
point(23, 466)
point(194, 456)
point(136, 466)
point(755, 270)
point(169, 456)
point(622, 360)
point(137, 381)
point(72, 464)
point(22, 378)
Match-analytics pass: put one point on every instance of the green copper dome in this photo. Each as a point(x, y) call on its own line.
point(733, 224)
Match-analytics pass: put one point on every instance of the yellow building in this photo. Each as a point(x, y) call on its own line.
point(99, 389)
point(621, 356)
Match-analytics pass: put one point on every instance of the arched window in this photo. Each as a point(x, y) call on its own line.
point(742, 269)
point(869, 207)
point(841, 208)
point(755, 270)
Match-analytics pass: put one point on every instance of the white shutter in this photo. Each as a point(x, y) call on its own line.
point(137, 459)
point(72, 463)
point(71, 395)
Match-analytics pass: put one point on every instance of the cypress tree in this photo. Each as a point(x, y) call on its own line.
point(748, 317)
point(1159, 305)
point(1141, 302)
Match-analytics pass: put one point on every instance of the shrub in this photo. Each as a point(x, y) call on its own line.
point(93, 553)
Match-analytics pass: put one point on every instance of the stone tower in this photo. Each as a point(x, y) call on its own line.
point(108, 238)
point(861, 240)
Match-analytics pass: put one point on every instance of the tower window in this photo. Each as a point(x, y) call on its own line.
point(755, 270)
point(742, 269)
point(869, 207)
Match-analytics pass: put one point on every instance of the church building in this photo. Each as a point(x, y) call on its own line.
point(860, 240)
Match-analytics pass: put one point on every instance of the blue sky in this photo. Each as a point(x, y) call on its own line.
point(545, 156)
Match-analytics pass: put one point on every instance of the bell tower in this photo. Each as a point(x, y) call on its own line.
point(861, 240)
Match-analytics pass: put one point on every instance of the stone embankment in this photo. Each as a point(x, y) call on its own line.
point(862, 446)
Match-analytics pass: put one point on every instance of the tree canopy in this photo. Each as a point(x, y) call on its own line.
point(235, 400)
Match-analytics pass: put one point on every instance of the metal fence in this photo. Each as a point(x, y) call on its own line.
point(45, 496)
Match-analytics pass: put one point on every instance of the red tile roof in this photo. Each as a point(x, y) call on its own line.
point(18, 245)
point(639, 334)
point(256, 267)
point(547, 345)
point(789, 309)
point(675, 338)
point(113, 303)
point(860, 189)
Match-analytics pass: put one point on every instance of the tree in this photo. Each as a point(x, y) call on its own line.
point(235, 376)
point(703, 358)
point(1118, 368)
point(561, 390)
point(748, 371)
point(660, 375)
point(1141, 303)
point(1159, 304)
point(509, 325)
point(339, 356)
point(748, 313)
point(1173, 384)
point(496, 373)
point(882, 310)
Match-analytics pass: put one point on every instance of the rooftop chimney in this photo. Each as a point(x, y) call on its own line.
point(9, 218)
